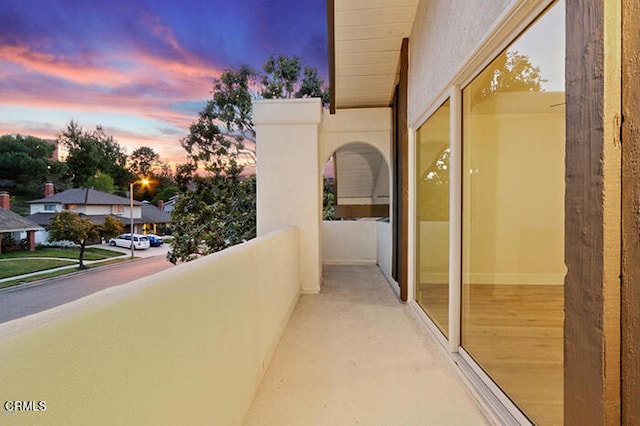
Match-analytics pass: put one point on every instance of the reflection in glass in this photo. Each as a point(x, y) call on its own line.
point(513, 219)
point(432, 227)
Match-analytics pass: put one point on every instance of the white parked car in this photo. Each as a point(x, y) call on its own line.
point(140, 242)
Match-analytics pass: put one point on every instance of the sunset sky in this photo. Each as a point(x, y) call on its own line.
point(140, 68)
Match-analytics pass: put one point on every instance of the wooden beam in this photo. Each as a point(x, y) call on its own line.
point(592, 214)
point(356, 211)
point(630, 303)
point(331, 30)
point(403, 152)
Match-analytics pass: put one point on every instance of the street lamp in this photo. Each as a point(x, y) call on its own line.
point(144, 183)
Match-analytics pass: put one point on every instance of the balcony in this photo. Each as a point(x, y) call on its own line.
point(228, 339)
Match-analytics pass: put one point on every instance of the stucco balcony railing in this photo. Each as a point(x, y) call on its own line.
point(187, 346)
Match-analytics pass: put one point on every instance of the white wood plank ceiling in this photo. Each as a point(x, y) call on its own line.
point(368, 37)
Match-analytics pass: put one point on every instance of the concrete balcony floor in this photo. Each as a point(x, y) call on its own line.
point(355, 355)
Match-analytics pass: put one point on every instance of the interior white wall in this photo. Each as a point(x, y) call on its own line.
point(289, 184)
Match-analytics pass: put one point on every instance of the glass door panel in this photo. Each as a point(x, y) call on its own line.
point(513, 218)
point(432, 227)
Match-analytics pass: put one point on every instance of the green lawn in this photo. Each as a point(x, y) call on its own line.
point(22, 262)
point(91, 253)
point(43, 276)
point(13, 267)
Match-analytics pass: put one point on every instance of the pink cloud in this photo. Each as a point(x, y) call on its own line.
point(131, 83)
point(49, 65)
point(140, 67)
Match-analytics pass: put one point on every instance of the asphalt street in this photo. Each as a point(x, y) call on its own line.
point(27, 299)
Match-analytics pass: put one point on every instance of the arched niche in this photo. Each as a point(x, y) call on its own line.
point(358, 174)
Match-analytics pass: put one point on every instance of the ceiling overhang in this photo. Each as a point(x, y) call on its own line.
point(365, 39)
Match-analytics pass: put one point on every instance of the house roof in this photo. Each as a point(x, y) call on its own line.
point(44, 218)
point(86, 196)
point(152, 214)
point(13, 222)
point(365, 38)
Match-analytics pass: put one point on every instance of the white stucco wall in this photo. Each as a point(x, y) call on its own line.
point(384, 247)
point(90, 209)
point(289, 184)
point(445, 34)
point(372, 126)
point(187, 346)
point(39, 208)
point(349, 242)
point(97, 209)
point(294, 140)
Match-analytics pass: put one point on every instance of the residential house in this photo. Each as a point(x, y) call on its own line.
point(16, 225)
point(509, 128)
point(95, 206)
point(154, 218)
point(169, 205)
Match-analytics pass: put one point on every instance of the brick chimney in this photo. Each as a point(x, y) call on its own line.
point(5, 202)
point(48, 189)
point(161, 204)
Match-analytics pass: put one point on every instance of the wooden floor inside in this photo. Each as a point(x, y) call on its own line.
point(515, 333)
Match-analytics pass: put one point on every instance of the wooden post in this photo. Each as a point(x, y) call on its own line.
point(592, 213)
point(402, 174)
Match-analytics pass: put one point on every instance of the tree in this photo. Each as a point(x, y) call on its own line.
point(143, 161)
point(328, 199)
point(512, 72)
point(435, 183)
point(281, 80)
point(281, 75)
point(69, 226)
point(219, 213)
point(165, 185)
point(90, 152)
point(311, 86)
point(102, 182)
point(217, 140)
point(219, 210)
point(26, 162)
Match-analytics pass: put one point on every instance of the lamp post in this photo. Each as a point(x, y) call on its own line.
point(144, 182)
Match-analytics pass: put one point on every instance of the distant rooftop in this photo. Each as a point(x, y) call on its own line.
point(13, 222)
point(85, 196)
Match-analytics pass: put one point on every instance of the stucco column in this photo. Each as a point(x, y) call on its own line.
point(288, 177)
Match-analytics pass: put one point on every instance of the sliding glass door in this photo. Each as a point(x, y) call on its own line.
point(513, 141)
